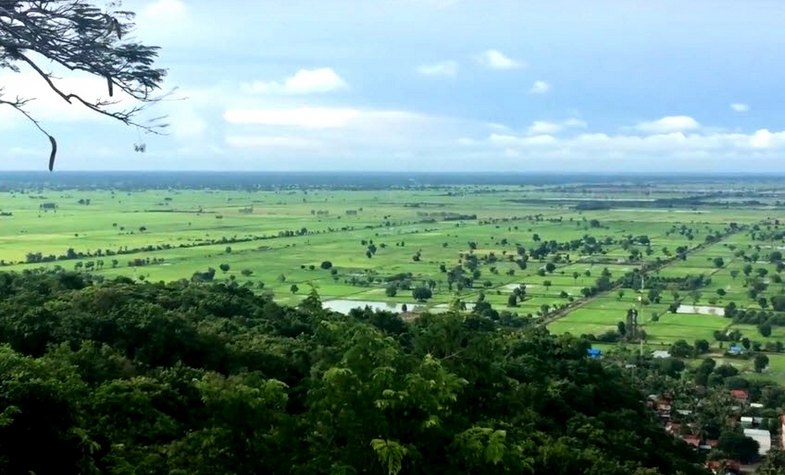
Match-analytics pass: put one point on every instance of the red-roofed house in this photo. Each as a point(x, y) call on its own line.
point(739, 394)
point(693, 440)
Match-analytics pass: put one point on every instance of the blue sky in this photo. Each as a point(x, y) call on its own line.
point(429, 85)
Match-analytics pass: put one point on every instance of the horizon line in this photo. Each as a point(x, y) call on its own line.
point(425, 172)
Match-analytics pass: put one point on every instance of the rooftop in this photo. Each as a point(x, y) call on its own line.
point(739, 394)
point(762, 437)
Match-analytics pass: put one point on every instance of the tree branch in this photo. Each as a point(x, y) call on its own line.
point(122, 116)
point(80, 36)
point(19, 106)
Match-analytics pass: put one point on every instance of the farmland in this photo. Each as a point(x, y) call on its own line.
point(555, 254)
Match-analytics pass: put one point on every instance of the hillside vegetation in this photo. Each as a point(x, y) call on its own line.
point(122, 377)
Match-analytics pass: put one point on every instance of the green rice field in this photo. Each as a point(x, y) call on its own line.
point(352, 245)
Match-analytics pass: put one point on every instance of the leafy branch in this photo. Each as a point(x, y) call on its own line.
point(80, 37)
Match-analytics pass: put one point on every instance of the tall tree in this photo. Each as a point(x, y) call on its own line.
point(77, 35)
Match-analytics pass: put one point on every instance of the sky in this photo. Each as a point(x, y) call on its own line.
point(622, 86)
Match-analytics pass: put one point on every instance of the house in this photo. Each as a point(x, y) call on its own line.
point(735, 350)
point(594, 353)
point(762, 437)
point(739, 395)
point(660, 354)
point(693, 440)
point(751, 421)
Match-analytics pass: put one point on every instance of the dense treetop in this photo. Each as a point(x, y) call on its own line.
point(118, 377)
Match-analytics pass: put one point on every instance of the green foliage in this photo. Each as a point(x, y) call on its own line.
point(778, 302)
point(682, 349)
point(760, 361)
point(84, 37)
point(480, 446)
point(702, 346)
point(422, 293)
point(774, 464)
point(390, 454)
point(737, 445)
point(187, 378)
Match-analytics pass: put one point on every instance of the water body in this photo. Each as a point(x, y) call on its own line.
point(515, 286)
point(701, 310)
point(345, 306)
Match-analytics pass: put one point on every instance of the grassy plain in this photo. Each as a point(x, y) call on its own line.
point(274, 239)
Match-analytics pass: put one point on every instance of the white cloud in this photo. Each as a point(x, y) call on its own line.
point(357, 134)
point(509, 141)
point(272, 142)
point(441, 69)
point(304, 81)
point(495, 59)
point(763, 139)
point(354, 134)
point(633, 150)
point(304, 117)
point(540, 87)
point(739, 107)
point(326, 118)
point(544, 127)
point(47, 106)
point(673, 123)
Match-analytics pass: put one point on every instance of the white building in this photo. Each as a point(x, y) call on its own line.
point(762, 437)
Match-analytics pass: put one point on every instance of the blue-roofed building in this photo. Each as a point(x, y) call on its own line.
point(594, 353)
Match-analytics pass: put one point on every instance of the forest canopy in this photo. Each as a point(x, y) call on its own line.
point(123, 377)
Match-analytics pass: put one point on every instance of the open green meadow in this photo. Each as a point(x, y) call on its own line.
point(463, 243)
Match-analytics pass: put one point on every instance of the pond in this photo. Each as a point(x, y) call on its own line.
point(701, 310)
point(344, 306)
point(515, 286)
